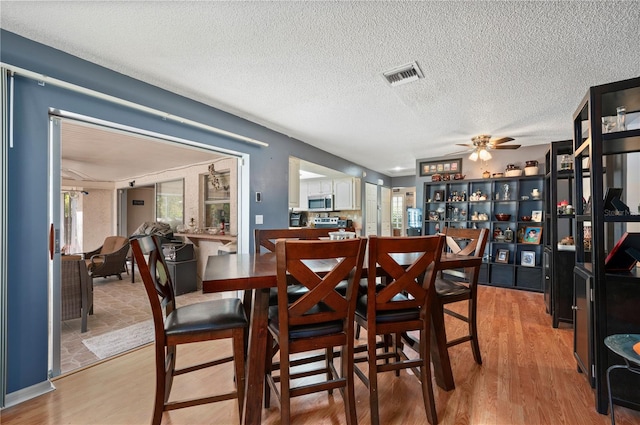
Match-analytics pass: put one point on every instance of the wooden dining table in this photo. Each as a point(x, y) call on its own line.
point(257, 273)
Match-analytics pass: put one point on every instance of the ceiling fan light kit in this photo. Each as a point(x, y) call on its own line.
point(483, 142)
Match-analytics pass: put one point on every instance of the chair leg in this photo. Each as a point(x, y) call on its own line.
point(329, 360)
point(373, 379)
point(172, 351)
point(238, 360)
point(425, 377)
point(268, 362)
point(473, 330)
point(161, 382)
point(285, 395)
point(349, 395)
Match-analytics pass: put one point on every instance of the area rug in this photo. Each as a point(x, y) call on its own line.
point(121, 340)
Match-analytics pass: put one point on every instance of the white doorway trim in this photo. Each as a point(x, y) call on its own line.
point(55, 186)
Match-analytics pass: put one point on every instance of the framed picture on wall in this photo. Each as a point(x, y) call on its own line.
point(528, 259)
point(428, 168)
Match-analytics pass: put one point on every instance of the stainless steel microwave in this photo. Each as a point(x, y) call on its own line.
point(320, 203)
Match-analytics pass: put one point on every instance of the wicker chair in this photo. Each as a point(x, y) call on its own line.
point(110, 259)
point(76, 290)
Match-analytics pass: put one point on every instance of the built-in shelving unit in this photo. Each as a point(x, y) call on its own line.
point(605, 302)
point(475, 203)
point(559, 258)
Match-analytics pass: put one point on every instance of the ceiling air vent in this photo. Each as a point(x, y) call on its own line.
point(403, 74)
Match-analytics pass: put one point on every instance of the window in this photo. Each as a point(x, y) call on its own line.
point(170, 202)
point(217, 196)
point(397, 212)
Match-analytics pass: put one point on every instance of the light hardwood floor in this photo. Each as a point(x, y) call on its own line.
point(528, 377)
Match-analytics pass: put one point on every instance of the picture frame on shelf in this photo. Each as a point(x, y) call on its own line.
point(502, 256)
point(532, 235)
point(528, 259)
point(428, 168)
point(536, 216)
point(438, 196)
point(625, 254)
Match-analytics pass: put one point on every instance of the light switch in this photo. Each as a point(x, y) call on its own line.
point(259, 219)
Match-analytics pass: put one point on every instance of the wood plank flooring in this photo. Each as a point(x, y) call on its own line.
point(528, 377)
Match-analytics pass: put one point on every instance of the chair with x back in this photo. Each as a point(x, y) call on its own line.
point(203, 321)
point(399, 305)
point(321, 318)
point(461, 285)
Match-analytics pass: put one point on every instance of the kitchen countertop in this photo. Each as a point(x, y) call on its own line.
point(197, 237)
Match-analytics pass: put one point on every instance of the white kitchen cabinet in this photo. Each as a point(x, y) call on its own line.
point(304, 195)
point(319, 187)
point(347, 194)
point(294, 182)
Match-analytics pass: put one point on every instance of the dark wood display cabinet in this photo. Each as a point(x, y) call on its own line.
point(559, 257)
point(510, 260)
point(606, 302)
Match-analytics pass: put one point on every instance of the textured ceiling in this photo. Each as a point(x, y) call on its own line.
point(313, 70)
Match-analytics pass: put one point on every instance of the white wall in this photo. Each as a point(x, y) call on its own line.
point(97, 217)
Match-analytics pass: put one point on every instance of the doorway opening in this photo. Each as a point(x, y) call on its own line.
point(112, 179)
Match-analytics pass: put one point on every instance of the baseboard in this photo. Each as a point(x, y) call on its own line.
point(28, 393)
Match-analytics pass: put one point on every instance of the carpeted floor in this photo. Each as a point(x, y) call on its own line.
point(117, 304)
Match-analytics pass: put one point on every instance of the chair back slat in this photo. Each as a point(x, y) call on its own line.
point(465, 242)
point(266, 238)
point(412, 282)
point(155, 276)
point(297, 259)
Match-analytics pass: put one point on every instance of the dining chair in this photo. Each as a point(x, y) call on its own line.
point(76, 290)
point(454, 286)
point(265, 239)
point(321, 318)
point(110, 259)
point(401, 304)
point(203, 321)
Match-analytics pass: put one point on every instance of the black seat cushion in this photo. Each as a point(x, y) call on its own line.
point(227, 313)
point(445, 287)
point(294, 292)
point(307, 331)
point(385, 316)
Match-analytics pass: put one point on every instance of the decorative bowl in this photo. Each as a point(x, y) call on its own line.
point(500, 238)
point(525, 218)
point(513, 173)
point(503, 217)
point(498, 175)
point(530, 171)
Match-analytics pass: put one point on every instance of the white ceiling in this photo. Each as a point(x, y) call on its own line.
point(313, 70)
point(99, 154)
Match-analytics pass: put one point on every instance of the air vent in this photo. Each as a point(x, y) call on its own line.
point(403, 74)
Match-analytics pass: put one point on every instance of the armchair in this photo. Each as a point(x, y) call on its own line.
point(76, 290)
point(110, 259)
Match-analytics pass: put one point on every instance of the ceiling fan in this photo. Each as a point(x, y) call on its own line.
point(483, 143)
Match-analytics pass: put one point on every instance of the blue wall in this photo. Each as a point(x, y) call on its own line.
point(28, 175)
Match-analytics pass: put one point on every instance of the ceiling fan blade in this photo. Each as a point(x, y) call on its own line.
point(501, 140)
point(507, 147)
point(458, 152)
point(469, 145)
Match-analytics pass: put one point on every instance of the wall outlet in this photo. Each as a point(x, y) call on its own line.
point(259, 219)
